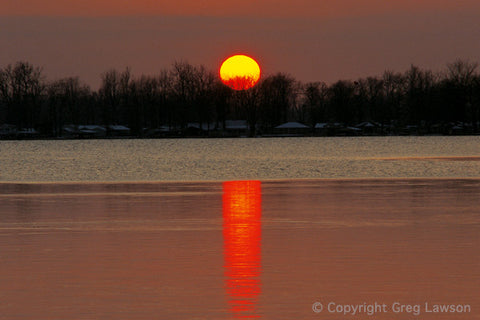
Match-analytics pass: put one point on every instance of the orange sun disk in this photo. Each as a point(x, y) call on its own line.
point(240, 72)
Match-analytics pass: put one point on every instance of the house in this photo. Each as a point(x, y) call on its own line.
point(69, 131)
point(409, 130)
point(292, 129)
point(28, 133)
point(457, 128)
point(321, 128)
point(329, 129)
point(367, 127)
point(83, 131)
point(118, 130)
point(91, 131)
point(160, 132)
point(236, 128)
point(197, 129)
point(8, 130)
point(351, 131)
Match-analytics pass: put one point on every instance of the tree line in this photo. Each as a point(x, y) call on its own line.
point(185, 94)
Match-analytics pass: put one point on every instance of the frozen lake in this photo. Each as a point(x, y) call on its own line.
point(164, 229)
point(229, 159)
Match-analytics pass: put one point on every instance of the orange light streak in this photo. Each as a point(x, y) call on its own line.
point(242, 248)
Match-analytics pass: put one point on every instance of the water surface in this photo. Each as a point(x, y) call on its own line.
point(92, 229)
point(237, 250)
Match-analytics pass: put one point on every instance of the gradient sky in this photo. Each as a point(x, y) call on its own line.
point(312, 40)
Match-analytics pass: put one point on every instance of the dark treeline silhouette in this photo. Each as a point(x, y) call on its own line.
point(188, 100)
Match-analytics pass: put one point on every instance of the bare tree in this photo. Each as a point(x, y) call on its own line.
point(114, 91)
point(66, 98)
point(204, 100)
point(21, 89)
point(165, 113)
point(315, 99)
point(109, 93)
point(183, 91)
point(341, 101)
point(462, 72)
point(278, 95)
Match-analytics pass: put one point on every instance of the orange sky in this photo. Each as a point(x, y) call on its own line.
point(270, 8)
point(311, 40)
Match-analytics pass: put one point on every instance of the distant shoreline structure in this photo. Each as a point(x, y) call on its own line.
point(190, 101)
point(240, 129)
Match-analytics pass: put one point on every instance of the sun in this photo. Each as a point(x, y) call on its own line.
point(240, 72)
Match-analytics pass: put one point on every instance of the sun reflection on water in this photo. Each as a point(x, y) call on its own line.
point(242, 248)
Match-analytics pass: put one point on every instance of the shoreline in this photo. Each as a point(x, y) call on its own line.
point(267, 136)
point(203, 182)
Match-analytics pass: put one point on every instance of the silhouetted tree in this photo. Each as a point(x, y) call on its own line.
point(416, 96)
point(393, 87)
point(315, 102)
point(375, 97)
point(222, 96)
point(476, 103)
point(183, 92)
point(245, 104)
point(21, 89)
point(341, 102)
point(164, 87)
point(204, 102)
point(186, 93)
point(109, 95)
point(461, 78)
point(278, 95)
point(68, 102)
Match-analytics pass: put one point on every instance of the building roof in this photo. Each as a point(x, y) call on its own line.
point(321, 125)
point(236, 124)
point(366, 124)
point(91, 127)
point(354, 129)
point(118, 128)
point(292, 125)
point(204, 126)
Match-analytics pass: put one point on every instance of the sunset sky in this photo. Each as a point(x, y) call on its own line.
point(312, 40)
